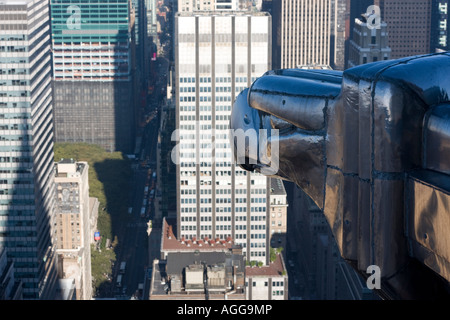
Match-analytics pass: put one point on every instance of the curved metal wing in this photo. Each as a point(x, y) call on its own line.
point(371, 147)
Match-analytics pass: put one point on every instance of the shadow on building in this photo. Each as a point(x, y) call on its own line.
point(26, 232)
point(114, 175)
point(96, 112)
point(315, 267)
point(96, 84)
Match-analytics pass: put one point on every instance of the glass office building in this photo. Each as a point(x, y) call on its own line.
point(93, 70)
point(26, 145)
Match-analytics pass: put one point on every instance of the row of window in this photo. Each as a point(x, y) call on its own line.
point(204, 89)
point(238, 236)
point(15, 94)
point(206, 136)
point(279, 224)
point(205, 118)
point(191, 155)
point(61, 16)
point(219, 209)
point(209, 209)
point(206, 99)
point(192, 127)
point(218, 79)
point(22, 104)
point(208, 182)
point(13, 48)
point(223, 218)
point(16, 182)
point(221, 191)
point(15, 71)
point(15, 83)
point(227, 227)
point(205, 108)
point(266, 284)
point(193, 173)
point(257, 253)
point(207, 164)
point(15, 159)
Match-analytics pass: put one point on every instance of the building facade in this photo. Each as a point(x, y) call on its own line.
point(152, 29)
point(321, 273)
point(212, 5)
point(139, 11)
point(217, 55)
point(440, 26)
point(355, 8)
point(195, 5)
point(73, 225)
point(10, 289)
point(93, 70)
point(309, 32)
point(278, 214)
point(268, 282)
point(368, 44)
point(26, 146)
point(408, 26)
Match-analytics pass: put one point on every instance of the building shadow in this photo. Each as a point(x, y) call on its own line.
point(315, 267)
point(114, 175)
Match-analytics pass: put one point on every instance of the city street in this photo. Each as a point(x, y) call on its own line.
point(137, 248)
point(140, 245)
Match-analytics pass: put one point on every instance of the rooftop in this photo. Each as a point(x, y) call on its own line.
point(181, 275)
point(274, 269)
point(222, 13)
point(65, 160)
point(176, 262)
point(169, 241)
point(15, 2)
point(314, 67)
point(69, 167)
point(277, 187)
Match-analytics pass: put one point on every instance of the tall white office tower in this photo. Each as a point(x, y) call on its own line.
point(26, 145)
point(310, 32)
point(217, 55)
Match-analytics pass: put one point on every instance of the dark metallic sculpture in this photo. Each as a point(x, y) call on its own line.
point(371, 147)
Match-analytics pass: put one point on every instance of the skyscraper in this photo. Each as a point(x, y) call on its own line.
point(368, 45)
point(217, 55)
point(408, 26)
point(73, 228)
point(152, 23)
point(93, 70)
point(26, 146)
point(355, 8)
point(140, 31)
point(309, 32)
point(440, 26)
